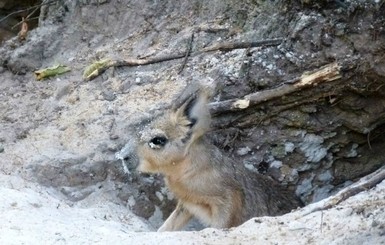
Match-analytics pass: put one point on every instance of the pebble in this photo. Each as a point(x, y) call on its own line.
point(243, 151)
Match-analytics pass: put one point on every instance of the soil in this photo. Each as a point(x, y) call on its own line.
point(59, 136)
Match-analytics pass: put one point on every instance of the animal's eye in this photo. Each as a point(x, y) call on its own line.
point(157, 142)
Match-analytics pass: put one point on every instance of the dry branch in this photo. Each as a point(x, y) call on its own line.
point(27, 9)
point(217, 47)
point(23, 30)
point(28, 18)
point(326, 73)
point(243, 45)
point(363, 184)
point(188, 51)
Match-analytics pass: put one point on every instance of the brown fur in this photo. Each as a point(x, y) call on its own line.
point(207, 184)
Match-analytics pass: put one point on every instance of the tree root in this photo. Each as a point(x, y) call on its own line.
point(363, 184)
point(326, 73)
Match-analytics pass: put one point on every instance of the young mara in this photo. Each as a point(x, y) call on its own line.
point(207, 184)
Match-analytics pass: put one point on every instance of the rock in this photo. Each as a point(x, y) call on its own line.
point(109, 95)
point(305, 187)
point(276, 164)
point(67, 170)
point(29, 57)
point(63, 89)
point(313, 149)
point(322, 192)
point(243, 151)
point(325, 177)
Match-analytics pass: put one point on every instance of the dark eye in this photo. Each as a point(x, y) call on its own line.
point(157, 142)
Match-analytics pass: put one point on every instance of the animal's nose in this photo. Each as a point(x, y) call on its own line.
point(127, 152)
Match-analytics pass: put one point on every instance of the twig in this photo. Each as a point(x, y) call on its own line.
point(222, 47)
point(363, 184)
point(326, 73)
point(228, 46)
point(368, 138)
point(23, 30)
point(26, 9)
point(27, 18)
point(253, 119)
point(188, 51)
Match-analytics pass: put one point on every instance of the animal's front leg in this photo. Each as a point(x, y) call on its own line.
point(227, 211)
point(178, 218)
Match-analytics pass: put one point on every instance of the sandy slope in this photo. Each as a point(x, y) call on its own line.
point(31, 214)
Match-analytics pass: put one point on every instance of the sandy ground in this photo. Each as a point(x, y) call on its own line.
point(31, 214)
point(62, 120)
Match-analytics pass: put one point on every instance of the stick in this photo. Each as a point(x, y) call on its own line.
point(228, 46)
point(26, 9)
point(23, 30)
point(363, 184)
point(326, 73)
point(27, 18)
point(188, 51)
point(222, 47)
point(276, 110)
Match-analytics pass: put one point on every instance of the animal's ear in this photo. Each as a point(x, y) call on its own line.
point(193, 111)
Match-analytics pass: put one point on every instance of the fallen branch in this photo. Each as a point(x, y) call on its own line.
point(253, 119)
point(326, 73)
point(188, 51)
point(217, 47)
point(27, 9)
point(28, 18)
point(97, 68)
point(363, 184)
point(243, 45)
point(23, 30)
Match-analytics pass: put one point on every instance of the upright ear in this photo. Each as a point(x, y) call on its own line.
point(195, 113)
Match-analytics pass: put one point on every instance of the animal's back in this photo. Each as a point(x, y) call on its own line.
point(262, 196)
point(266, 197)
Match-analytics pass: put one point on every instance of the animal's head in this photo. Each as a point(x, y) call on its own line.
point(166, 140)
